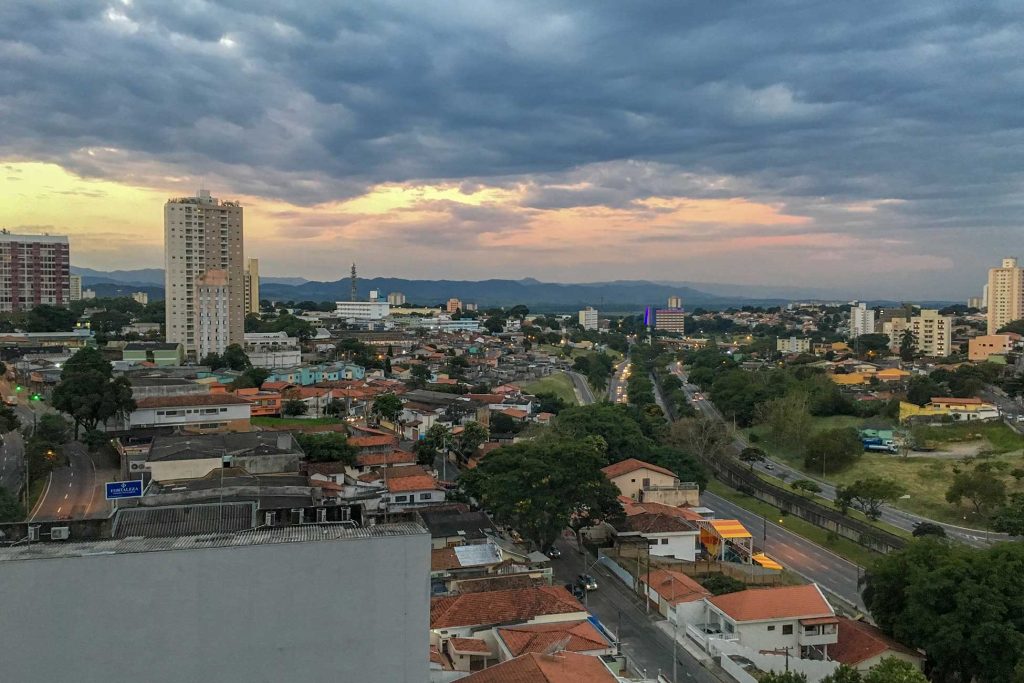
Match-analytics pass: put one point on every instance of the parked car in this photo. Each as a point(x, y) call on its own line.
point(587, 582)
point(576, 591)
point(553, 552)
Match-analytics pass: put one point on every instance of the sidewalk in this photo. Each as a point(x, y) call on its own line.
point(685, 643)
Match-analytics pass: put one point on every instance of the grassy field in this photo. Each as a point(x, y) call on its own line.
point(557, 383)
point(926, 477)
point(793, 456)
point(293, 422)
point(854, 552)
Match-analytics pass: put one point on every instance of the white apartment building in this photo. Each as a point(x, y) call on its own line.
point(140, 297)
point(362, 310)
point(933, 333)
point(272, 350)
point(862, 320)
point(252, 285)
point(675, 302)
point(396, 299)
point(793, 345)
point(588, 318)
point(75, 284)
point(1005, 297)
point(202, 233)
point(212, 302)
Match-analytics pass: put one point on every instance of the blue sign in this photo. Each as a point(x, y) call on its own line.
point(124, 489)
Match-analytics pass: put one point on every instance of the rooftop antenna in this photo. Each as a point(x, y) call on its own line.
point(555, 649)
point(352, 296)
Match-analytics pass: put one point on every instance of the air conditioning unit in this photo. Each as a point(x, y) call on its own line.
point(33, 532)
point(60, 533)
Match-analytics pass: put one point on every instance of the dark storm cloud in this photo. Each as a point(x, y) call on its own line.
point(311, 100)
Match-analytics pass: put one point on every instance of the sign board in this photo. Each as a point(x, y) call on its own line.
point(123, 489)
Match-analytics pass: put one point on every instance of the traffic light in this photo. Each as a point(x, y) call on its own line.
point(17, 388)
point(37, 397)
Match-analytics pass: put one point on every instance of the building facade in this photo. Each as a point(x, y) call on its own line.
point(202, 233)
point(670, 320)
point(1005, 298)
point(793, 345)
point(396, 299)
point(34, 270)
point(362, 310)
point(933, 333)
point(675, 302)
point(982, 347)
point(212, 302)
point(252, 286)
point(862, 320)
point(75, 283)
point(588, 318)
point(453, 305)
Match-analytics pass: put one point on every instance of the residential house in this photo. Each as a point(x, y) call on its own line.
point(862, 646)
point(665, 535)
point(641, 480)
point(307, 375)
point(470, 614)
point(156, 353)
point(455, 525)
point(533, 667)
point(788, 619)
point(263, 402)
point(579, 636)
point(678, 598)
point(406, 487)
point(962, 409)
point(194, 412)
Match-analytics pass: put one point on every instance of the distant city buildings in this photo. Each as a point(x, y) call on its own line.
point(252, 286)
point(34, 270)
point(362, 310)
point(75, 285)
point(862, 320)
point(671, 319)
point(975, 302)
point(675, 302)
point(396, 299)
point(202, 234)
point(793, 345)
point(453, 305)
point(140, 297)
point(88, 294)
point(588, 318)
point(1005, 298)
point(933, 333)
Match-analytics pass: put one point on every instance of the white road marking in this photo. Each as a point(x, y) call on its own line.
point(66, 496)
point(60, 508)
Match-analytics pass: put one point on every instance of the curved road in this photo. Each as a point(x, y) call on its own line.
point(74, 490)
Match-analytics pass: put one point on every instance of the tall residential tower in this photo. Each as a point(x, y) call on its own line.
point(252, 285)
point(34, 270)
point(202, 234)
point(1005, 294)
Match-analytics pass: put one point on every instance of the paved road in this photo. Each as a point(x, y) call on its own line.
point(623, 613)
point(12, 462)
point(616, 381)
point(828, 570)
point(584, 394)
point(74, 490)
point(784, 472)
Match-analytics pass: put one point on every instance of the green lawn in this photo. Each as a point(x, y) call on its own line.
point(844, 547)
point(1001, 438)
point(294, 422)
point(557, 383)
point(791, 455)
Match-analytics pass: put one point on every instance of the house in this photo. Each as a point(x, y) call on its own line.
point(679, 598)
point(862, 646)
point(962, 409)
point(407, 487)
point(579, 636)
point(469, 654)
point(195, 456)
point(195, 412)
point(157, 353)
point(466, 614)
point(665, 535)
point(263, 402)
point(533, 667)
point(641, 480)
point(793, 619)
point(982, 347)
point(456, 526)
point(395, 458)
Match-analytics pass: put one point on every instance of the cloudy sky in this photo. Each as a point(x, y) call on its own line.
point(874, 147)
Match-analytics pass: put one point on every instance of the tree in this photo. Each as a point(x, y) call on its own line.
point(788, 419)
point(981, 488)
point(832, 450)
point(438, 436)
point(928, 529)
point(335, 408)
point(519, 311)
point(47, 318)
point(553, 403)
point(752, 455)
point(503, 424)
point(89, 393)
point(494, 325)
point(539, 487)
point(212, 360)
point(426, 454)
point(53, 428)
point(109, 322)
point(1016, 326)
point(293, 408)
point(844, 674)
point(421, 374)
point(868, 494)
point(908, 345)
point(892, 670)
point(1009, 517)
point(805, 486)
point(466, 442)
point(327, 447)
point(234, 357)
point(8, 419)
point(922, 388)
point(612, 422)
point(706, 438)
point(388, 406)
point(11, 509)
point(783, 677)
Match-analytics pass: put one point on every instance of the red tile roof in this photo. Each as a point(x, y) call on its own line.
point(582, 637)
point(442, 559)
point(190, 400)
point(565, 667)
point(783, 602)
point(369, 441)
point(675, 587)
point(423, 482)
point(859, 642)
point(474, 646)
point(628, 465)
point(501, 607)
point(395, 457)
point(654, 523)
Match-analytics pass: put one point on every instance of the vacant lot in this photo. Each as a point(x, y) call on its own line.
point(557, 383)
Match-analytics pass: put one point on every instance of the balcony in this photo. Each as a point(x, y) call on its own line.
point(823, 631)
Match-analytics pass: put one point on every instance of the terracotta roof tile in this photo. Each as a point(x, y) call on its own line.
point(859, 641)
point(395, 457)
point(783, 602)
point(628, 465)
point(675, 587)
point(442, 559)
point(582, 636)
point(469, 646)
point(369, 441)
point(423, 482)
point(566, 667)
point(501, 607)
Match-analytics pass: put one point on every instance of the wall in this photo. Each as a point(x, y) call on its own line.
point(235, 415)
point(672, 495)
point(679, 546)
point(815, 670)
point(631, 483)
point(346, 610)
point(183, 469)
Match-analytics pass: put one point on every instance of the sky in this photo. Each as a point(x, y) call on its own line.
point(869, 147)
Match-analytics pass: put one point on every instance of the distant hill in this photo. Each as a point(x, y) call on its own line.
point(143, 276)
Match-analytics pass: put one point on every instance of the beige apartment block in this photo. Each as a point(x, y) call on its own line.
point(1005, 294)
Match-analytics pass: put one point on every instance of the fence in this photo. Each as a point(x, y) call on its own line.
point(627, 556)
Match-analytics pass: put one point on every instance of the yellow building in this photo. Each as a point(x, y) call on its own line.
point(892, 375)
point(962, 409)
point(851, 379)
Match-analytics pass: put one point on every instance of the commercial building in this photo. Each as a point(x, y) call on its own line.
point(34, 270)
point(862, 320)
point(933, 333)
point(252, 285)
point(793, 345)
point(157, 353)
point(396, 299)
point(453, 305)
point(201, 234)
point(222, 607)
point(75, 284)
point(588, 318)
point(982, 347)
point(212, 304)
point(1005, 294)
point(362, 310)
point(670, 320)
point(272, 349)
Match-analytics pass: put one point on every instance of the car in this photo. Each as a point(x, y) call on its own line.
point(576, 591)
point(769, 466)
point(587, 582)
point(553, 552)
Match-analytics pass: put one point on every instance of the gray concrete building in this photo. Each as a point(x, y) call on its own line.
point(318, 602)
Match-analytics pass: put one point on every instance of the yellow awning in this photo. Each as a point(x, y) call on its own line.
point(729, 528)
point(765, 561)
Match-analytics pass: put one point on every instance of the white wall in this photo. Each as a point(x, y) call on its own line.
point(149, 417)
point(682, 546)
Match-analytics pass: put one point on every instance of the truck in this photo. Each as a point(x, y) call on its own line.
point(876, 445)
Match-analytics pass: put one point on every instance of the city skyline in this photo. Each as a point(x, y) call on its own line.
point(569, 145)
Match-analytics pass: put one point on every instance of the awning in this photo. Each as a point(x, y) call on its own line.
point(766, 562)
point(729, 528)
point(816, 621)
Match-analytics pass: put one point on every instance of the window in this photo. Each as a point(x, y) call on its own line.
point(787, 630)
point(771, 628)
point(401, 499)
point(424, 496)
point(664, 541)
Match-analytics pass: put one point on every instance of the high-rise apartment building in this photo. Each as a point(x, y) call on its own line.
point(675, 302)
point(75, 285)
point(396, 299)
point(453, 305)
point(933, 333)
point(670, 320)
point(34, 270)
point(588, 318)
point(252, 286)
point(862, 319)
point(202, 233)
point(212, 302)
point(1005, 299)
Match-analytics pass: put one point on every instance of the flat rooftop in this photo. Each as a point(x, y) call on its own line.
point(306, 533)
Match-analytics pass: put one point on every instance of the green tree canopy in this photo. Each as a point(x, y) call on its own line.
point(388, 406)
point(982, 489)
point(539, 487)
point(1009, 518)
point(752, 455)
point(327, 447)
point(11, 509)
point(922, 388)
point(783, 677)
point(472, 435)
point(868, 494)
point(47, 318)
point(89, 393)
point(832, 450)
point(235, 358)
point(612, 422)
point(293, 408)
